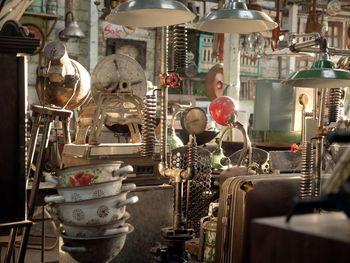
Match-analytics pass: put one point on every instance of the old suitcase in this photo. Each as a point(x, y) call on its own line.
point(243, 198)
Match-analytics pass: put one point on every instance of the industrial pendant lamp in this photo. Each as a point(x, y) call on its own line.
point(150, 13)
point(235, 17)
point(321, 75)
point(72, 29)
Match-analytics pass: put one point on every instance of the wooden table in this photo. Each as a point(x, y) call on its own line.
point(321, 238)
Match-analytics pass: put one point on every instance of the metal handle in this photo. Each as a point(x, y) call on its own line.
point(116, 231)
point(128, 187)
point(73, 249)
point(66, 18)
point(54, 199)
point(51, 179)
point(131, 200)
point(123, 170)
point(51, 210)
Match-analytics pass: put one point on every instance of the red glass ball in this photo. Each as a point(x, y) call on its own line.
point(221, 108)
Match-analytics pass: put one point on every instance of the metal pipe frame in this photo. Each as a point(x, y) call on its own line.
point(323, 52)
point(319, 143)
point(35, 188)
point(297, 47)
point(163, 168)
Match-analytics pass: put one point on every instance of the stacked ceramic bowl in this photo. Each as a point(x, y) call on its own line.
point(91, 207)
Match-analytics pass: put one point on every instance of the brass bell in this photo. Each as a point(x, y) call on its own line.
point(72, 29)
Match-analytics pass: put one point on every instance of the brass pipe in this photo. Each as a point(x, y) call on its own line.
point(177, 206)
point(298, 46)
point(322, 108)
point(163, 98)
point(163, 124)
point(314, 112)
point(303, 120)
point(163, 168)
point(318, 165)
point(177, 174)
point(303, 100)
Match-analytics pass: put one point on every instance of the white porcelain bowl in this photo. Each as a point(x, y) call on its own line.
point(95, 249)
point(95, 231)
point(97, 190)
point(89, 174)
point(105, 210)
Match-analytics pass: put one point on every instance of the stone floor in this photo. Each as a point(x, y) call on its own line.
point(33, 253)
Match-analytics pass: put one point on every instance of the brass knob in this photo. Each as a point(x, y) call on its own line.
point(303, 99)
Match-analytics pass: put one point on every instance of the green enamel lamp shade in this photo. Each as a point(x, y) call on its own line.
point(235, 17)
point(321, 75)
point(150, 13)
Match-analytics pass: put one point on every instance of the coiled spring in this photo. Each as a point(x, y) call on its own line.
point(148, 125)
point(192, 155)
point(306, 170)
point(180, 53)
point(334, 104)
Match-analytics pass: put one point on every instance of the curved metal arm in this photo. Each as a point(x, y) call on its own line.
point(172, 122)
point(222, 136)
point(331, 51)
point(247, 146)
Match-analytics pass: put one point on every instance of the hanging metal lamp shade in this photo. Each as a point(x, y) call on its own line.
point(235, 17)
point(72, 29)
point(150, 13)
point(321, 75)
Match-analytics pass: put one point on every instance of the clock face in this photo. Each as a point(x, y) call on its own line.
point(194, 120)
point(118, 68)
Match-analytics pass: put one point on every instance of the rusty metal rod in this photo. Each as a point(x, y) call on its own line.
point(319, 144)
point(11, 245)
point(163, 99)
point(33, 140)
point(35, 187)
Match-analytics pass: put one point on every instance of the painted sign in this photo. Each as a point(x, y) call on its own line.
point(113, 31)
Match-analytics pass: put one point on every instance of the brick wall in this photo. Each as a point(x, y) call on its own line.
point(79, 48)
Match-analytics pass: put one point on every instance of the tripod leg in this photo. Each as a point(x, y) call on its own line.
point(11, 245)
point(33, 138)
point(35, 187)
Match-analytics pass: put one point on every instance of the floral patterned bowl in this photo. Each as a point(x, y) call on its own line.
point(95, 249)
point(105, 210)
point(95, 231)
point(89, 174)
point(97, 190)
